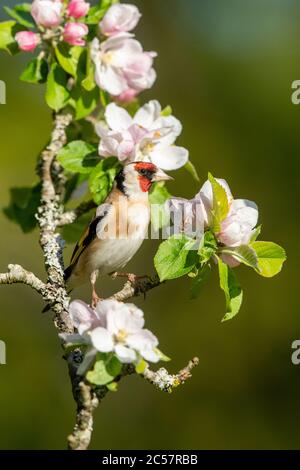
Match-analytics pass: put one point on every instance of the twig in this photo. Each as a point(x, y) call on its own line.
point(167, 382)
point(71, 216)
point(18, 275)
point(137, 288)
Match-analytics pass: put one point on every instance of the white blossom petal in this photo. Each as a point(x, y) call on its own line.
point(148, 114)
point(150, 355)
point(169, 158)
point(82, 315)
point(117, 118)
point(247, 211)
point(125, 354)
point(126, 319)
point(141, 340)
point(110, 80)
point(102, 340)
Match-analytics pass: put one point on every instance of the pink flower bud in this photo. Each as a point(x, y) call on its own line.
point(78, 8)
point(127, 96)
point(27, 40)
point(120, 18)
point(47, 13)
point(74, 32)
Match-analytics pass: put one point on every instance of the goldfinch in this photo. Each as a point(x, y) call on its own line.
point(118, 229)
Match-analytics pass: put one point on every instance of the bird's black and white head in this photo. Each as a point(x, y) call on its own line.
point(137, 178)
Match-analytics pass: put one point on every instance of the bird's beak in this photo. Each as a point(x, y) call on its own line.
point(161, 176)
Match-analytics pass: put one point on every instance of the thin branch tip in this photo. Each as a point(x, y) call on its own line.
point(167, 382)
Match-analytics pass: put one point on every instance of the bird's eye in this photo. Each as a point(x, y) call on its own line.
point(143, 172)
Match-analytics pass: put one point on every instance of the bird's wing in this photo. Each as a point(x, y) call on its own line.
point(90, 233)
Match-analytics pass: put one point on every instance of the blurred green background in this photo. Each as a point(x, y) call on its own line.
point(226, 68)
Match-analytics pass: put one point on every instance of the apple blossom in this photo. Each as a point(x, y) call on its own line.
point(74, 33)
point(113, 327)
point(47, 13)
point(120, 18)
point(121, 64)
point(78, 8)
point(148, 136)
point(27, 40)
point(237, 227)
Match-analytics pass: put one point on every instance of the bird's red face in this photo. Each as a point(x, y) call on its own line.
point(137, 177)
point(148, 173)
point(145, 172)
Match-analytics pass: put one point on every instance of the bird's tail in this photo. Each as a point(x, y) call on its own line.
point(67, 275)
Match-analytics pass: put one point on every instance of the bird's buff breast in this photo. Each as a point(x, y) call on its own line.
point(117, 241)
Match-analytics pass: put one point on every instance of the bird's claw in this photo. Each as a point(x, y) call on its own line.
point(95, 299)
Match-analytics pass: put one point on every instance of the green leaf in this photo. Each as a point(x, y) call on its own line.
point(161, 355)
point(232, 290)
point(190, 167)
point(78, 157)
point(21, 13)
point(102, 178)
point(244, 254)
point(8, 30)
point(141, 366)
point(112, 387)
point(207, 248)
point(85, 95)
point(158, 196)
point(255, 234)
point(220, 203)
point(175, 258)
point(199, 281)
point(167, 111)
point(35, 72)
point(88, 83)
point(106, 368)
point(104, 98)
point(68, 57)
point(57, 93)
point(97, 12)
point(83, 101)
point(23, 206)
point(270, 258)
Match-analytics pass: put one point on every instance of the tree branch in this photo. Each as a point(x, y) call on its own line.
point(48, 215)
point(71, 216)
point(87, 402)
point(88, 399)
point(18, 275)
point(167, 382)
point(136, 288)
